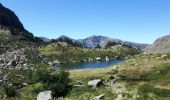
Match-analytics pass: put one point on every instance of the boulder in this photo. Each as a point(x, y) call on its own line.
point(95, 83)
point(45, 95)
point(56, 63)
point(90, 59)
point(164, 55)
point(100, 97)
point(1, 81)
point(107, 58)
point(98, 58)
point(111, 77)
point(80, 82)
point(79, 85)
point(1, 61)
point(114, 67)
point(25, 84)
point(119, 97)
point(12, 63)
point(50, 63)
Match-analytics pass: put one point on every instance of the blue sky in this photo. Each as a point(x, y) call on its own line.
point(140, 21)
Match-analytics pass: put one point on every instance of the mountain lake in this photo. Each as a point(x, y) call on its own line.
point(93, 64)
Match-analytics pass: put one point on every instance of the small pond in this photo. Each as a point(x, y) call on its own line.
point(94, 64)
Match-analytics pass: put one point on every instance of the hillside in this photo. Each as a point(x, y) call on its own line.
point(9, 21)
point(161, 45)
point(145, 77)
point(67, 53)
point(31, 69)
point(13, 35)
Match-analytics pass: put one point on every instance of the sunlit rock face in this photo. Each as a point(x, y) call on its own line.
point(161, 45)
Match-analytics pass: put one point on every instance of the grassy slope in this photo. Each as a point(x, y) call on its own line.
point(148, 69)
point(151, 70)
point(71, 54)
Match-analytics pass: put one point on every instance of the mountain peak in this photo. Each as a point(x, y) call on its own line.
point(1, 5)
point(9, 21)
point(161, 45)
point(92, 36)
point(64, 37)
point(165, 38)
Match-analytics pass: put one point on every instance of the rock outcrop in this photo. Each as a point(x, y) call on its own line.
point(13, 35)
point(161, 45)
point(9, 21)
point(45, 95)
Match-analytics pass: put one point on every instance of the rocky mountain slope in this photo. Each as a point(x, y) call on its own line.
point(13, 35)
point(161, 45)
point(9, 21)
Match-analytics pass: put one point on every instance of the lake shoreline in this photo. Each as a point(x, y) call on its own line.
point(94, 65)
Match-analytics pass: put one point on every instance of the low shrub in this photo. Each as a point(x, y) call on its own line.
point(145, 89)
point(9, 91)
point(57, 82)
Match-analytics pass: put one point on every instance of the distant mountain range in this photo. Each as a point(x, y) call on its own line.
point(92, 41)
point(9, 21)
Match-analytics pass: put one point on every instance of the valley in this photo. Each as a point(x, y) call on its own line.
point(94, 68)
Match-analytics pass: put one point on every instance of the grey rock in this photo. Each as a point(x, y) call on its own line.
point(111, 77)
point(80, 82)
point(99, 97)
point(1, 81)
point(56, 63)
point(95, 83)
point(45, 95)
point(50, 63)
point(98, 58)
point(25, 84)
point(13, 59)
point(12, 63)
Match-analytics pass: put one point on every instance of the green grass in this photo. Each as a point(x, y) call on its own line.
point(5, 36)
point(148, 91)
point(70, 54)
point(148, 70)
point(87, 93)
point(30, 92)
point(145, 77)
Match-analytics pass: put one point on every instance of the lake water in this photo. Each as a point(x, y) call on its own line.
point(94, 64)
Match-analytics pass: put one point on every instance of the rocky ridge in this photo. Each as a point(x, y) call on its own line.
point(161, 45)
